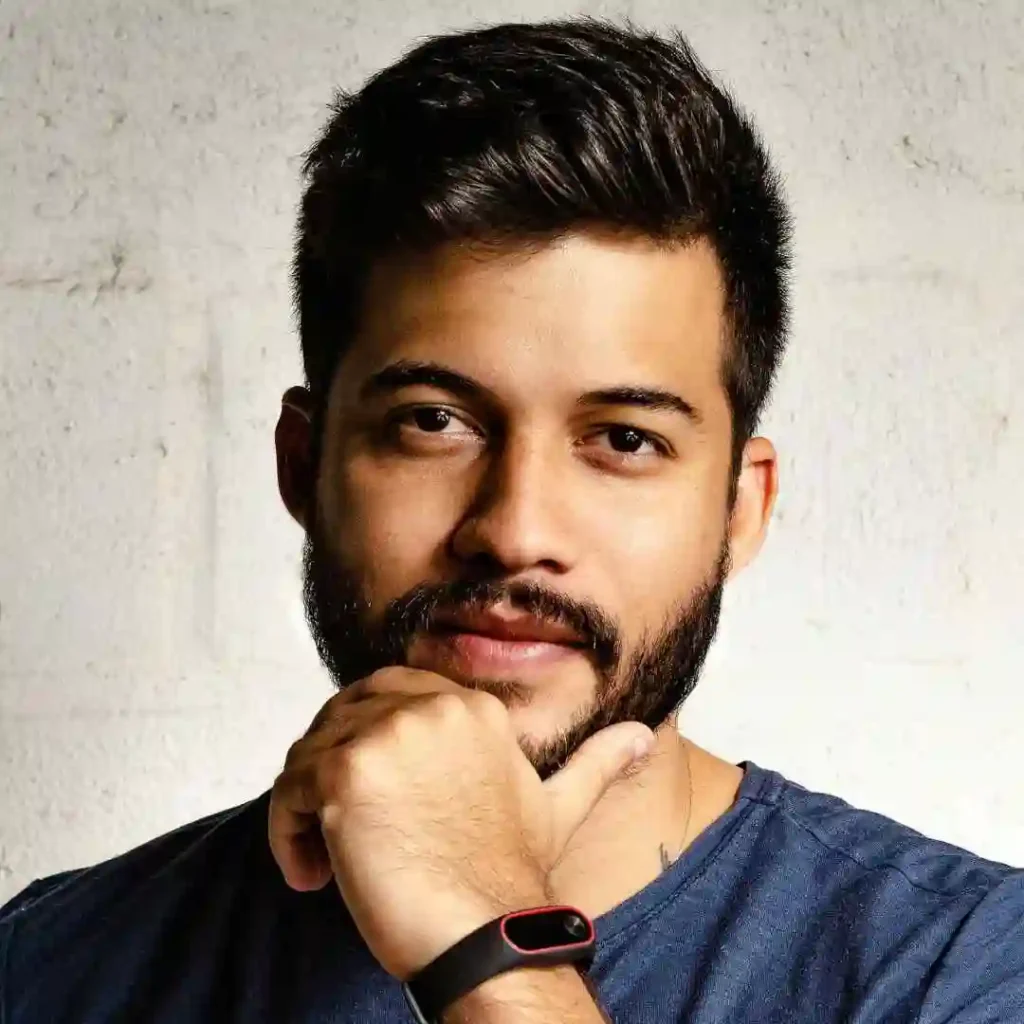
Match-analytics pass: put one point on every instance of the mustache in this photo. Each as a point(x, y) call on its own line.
point(416, 612)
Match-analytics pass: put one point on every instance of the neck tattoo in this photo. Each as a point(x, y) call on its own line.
point(666, 860)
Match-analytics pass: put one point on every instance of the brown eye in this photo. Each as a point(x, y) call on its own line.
point(627, 440)
point(428, 428)
point(627, 447)
point(431, 419)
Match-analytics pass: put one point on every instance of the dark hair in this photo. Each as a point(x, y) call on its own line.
point(519, 133)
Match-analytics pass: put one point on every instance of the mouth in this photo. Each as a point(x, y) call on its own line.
point(493, 645)
point(508, 628)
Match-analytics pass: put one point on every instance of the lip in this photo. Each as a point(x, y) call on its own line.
point(489, 644)
point(475, 655)
point(518, 629)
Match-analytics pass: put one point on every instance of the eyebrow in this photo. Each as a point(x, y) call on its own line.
point(642, 398)
point(409, 373)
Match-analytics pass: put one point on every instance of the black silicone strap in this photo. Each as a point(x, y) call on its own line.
point(566, 933)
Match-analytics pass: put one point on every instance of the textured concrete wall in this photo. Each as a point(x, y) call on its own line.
point(154, 664)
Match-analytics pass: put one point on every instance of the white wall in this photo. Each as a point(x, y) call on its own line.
point(154, 664)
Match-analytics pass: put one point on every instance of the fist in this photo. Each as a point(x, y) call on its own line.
point(413, 794)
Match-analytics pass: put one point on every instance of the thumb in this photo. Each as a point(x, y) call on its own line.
point(575, 789)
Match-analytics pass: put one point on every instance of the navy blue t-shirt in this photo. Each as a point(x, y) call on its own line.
point(793, 907)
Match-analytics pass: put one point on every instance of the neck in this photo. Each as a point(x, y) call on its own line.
point(643, 822)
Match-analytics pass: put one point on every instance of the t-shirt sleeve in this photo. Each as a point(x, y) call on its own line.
point(9, 914)
point(980, 977)
point(19, 900)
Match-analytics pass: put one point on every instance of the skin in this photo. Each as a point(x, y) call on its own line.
point(426, 770)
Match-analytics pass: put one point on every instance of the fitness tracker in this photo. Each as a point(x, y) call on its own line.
point(540, 937)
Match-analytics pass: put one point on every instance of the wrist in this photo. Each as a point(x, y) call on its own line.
point(533, 944)
point(462, 916)
point(559, 992)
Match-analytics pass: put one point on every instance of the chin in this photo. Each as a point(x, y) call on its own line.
point(543, 724)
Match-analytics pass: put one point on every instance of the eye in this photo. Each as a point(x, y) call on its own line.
point(428, 425)
point(630, 442)
point(627, 440)
point(431, 419)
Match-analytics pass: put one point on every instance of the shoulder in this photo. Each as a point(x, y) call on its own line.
point(827, 827)
point(83, 919)
point(172, 855)
point(888, 894)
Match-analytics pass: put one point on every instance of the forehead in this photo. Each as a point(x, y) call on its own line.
point(585, 311)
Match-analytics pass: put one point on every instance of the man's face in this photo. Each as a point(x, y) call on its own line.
point(524, 480)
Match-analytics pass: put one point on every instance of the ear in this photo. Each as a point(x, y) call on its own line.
point(756, 490)
point(293, 439)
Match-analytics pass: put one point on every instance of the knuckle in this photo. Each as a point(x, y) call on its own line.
point(421, 718)
point(384, 678)
point(333, 772)
point(326, 714)
point(412, 717)
point(293, 755)
point(490, 708)
point(363, 760)
point(448, 706)
point(294, 792)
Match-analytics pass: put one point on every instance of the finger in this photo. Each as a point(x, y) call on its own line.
point(345, 722)
point(352, 694)
point(306, 785)
point(576, 788)
point(392, 679)
point(296, 839)
point(413, 681)
point(294, 833)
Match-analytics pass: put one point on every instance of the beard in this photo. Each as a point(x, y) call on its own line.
point(649, 686)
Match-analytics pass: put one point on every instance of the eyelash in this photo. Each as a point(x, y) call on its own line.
point(404, 416)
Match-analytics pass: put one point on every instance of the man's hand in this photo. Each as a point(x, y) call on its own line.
point(413, 793)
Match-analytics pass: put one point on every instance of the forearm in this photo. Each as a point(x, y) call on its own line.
point(534, 995)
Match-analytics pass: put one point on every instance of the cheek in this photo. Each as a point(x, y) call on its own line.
point(659, 552)
point(389, 529)
point(675, 525)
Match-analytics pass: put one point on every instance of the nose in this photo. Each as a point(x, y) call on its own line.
point(519, 514)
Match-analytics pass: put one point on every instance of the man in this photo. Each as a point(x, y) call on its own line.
point(541, 284)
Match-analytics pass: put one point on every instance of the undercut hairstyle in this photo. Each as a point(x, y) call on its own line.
point(519, 133)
